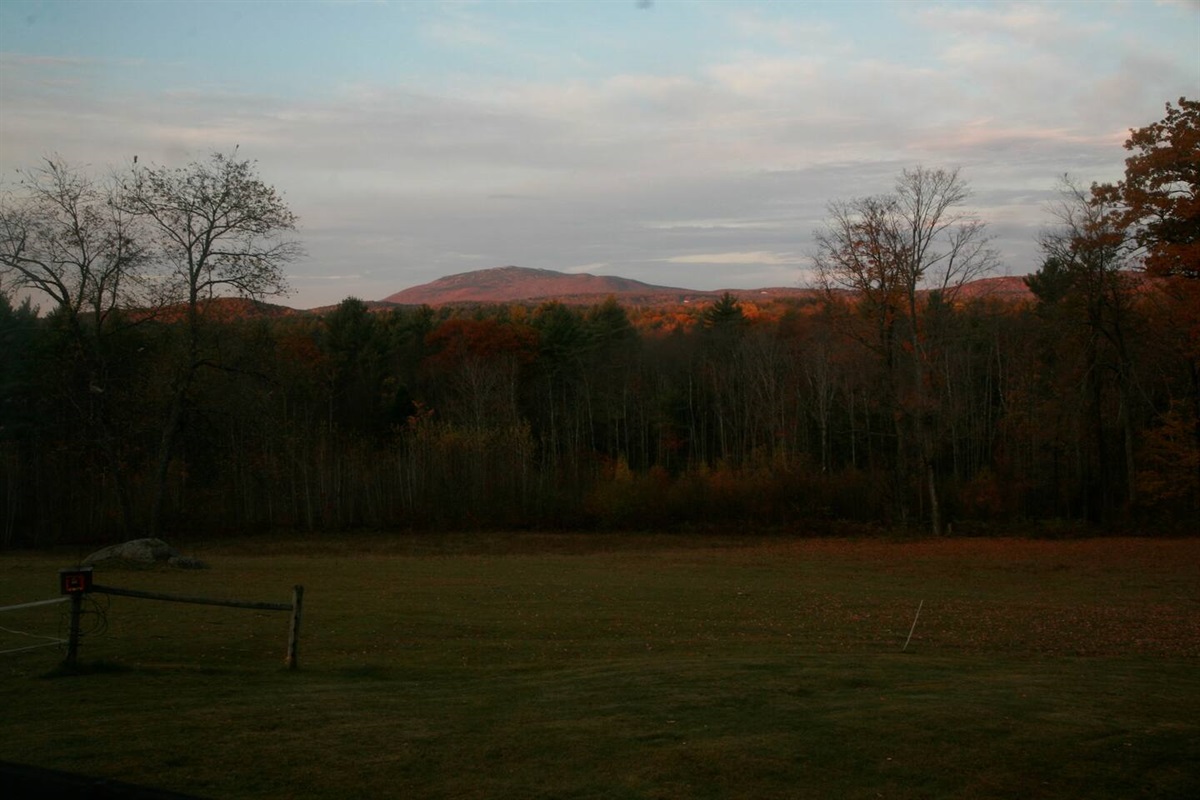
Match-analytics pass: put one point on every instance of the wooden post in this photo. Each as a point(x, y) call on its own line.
point(294, 629)
point(73, 635)
point(914, 626)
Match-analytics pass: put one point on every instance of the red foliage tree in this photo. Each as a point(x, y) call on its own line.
point(1159, 204)
point(458, 340)
point(1160, 196)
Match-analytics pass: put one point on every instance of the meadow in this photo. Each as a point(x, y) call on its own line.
point(626, 666)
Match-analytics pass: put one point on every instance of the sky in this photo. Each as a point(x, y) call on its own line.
point(693, 144)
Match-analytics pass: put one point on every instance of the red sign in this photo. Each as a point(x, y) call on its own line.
point(75, 581)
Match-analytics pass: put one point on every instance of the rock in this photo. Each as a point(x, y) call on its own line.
point(143, 553)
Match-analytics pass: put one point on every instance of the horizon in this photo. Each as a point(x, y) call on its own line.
point(690, 145)
point(586, 296)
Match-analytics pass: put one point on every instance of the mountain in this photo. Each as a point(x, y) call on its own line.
point(1007, 287)
point(517, 284)
point(520, 284)
point(509, 284)
point(217, 309)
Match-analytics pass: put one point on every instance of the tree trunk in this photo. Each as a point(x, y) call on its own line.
point(935, 509)
point(1194, 366)
point(166, 451)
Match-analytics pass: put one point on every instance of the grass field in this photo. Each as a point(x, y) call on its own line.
point(629, 666)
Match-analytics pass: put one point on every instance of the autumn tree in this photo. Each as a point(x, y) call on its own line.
point(63, 237)
point(1159, 199)
point(1088, 292)
point(893, 252)
point(216, 229)
point(1158, 204)
point(479, 363)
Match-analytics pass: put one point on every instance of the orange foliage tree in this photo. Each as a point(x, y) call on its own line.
point(1160, 196)
point(1158, 203)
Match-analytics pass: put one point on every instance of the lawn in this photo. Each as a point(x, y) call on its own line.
point(627, 666)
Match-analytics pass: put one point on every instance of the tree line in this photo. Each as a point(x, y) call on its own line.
point(148, 399)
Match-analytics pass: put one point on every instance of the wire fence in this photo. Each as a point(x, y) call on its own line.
point(50, 641)
point(93, 604)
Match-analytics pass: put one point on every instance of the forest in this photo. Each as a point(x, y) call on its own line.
point(158, 393)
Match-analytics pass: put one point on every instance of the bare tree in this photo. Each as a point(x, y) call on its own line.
point(63, 236)
point(217, 229)
point(893, 253)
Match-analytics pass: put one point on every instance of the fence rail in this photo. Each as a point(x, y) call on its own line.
point(202, 601)
point(292, 659)
point(35, 603)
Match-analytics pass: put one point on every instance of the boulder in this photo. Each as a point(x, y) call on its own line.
point(143, 553)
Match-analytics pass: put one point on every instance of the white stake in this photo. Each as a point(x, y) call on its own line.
point(914, 626)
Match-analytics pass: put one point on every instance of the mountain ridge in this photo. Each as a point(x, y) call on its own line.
point(512, 284)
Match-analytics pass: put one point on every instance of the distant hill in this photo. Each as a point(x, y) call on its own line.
point(219, 309)
point(1007, 287)
point(521, 284)
point(509, 284)
point(518, 284)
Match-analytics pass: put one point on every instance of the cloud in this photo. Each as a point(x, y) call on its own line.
point(992, 137)
point(694, 225)
point(462, 32)
point(757, 257)
point(30, 61)
point(350, 277)
point(579, 269)
point(1021, 22)
point(753, 24)
point(720, 156)
point(768, 77)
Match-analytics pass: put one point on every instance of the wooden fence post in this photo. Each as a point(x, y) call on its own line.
point(73, 635)
point(294, 630)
